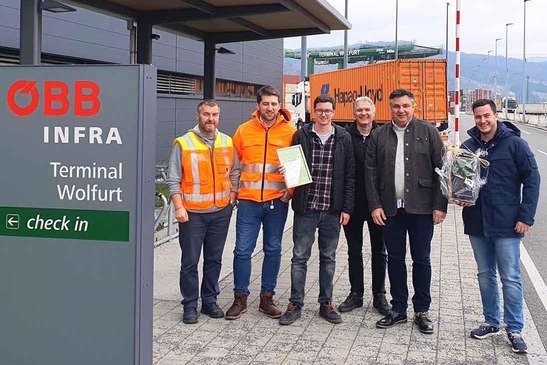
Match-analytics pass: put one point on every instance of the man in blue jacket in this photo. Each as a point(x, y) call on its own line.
point(499, 219)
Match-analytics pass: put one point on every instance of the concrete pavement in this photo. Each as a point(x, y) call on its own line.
point(257, 339)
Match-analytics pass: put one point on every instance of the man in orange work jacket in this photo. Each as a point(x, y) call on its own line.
point(263, 199)
point(203, 177)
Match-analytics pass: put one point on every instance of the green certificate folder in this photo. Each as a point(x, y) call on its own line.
point(297, 172)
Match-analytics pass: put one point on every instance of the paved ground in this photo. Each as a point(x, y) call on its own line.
point(256, 339)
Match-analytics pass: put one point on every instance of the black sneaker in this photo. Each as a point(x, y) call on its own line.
point(292, 314)
point(424, 323)
point(380, 303)
point(190, 315)
point(327, 311)
point(391, 319)
point(212, 310)
point(352, 301)
point(517, 342)
point(485, 331)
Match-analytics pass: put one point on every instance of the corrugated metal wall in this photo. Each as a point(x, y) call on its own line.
point(425, 78)
point(89, 35)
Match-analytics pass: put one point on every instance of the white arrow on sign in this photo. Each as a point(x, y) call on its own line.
point(12, 221)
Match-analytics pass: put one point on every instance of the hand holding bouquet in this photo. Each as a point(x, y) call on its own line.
point(461, 179)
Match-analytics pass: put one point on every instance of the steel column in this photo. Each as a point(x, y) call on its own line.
point(209, 75)
point(30, 33)
point(144, 42)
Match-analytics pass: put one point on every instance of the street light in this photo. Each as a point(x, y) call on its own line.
point(396, 29)
point(56, 7)
point(346, 40)
point(525, 87)
point(222, 50)
point(490, 51)
point(496, 72)
point(506, 68)
point(446, 42)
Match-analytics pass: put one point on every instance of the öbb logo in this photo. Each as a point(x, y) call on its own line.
point(55, 95)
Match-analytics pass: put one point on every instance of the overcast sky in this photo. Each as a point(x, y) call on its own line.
point(482, 21)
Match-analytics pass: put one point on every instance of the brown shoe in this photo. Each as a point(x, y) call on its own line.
point(239, 306)
point(267, 305)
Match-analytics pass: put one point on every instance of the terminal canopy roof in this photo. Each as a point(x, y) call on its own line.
point(223, 21)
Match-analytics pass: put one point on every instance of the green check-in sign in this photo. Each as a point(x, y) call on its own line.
point(97, 225)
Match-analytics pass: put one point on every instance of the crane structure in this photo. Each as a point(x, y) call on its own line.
point(366, 53)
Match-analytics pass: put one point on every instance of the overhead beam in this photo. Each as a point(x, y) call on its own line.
point(292, 5)
point(187, 30)
point(272, 34)
point(202, 6)
point(106, 7)
point(226, 12)
point(251, 26)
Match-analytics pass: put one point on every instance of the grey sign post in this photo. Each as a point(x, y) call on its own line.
point(77, 155)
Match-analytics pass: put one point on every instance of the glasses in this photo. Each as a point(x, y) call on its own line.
point(324, 111)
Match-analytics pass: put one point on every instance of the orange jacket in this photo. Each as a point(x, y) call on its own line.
point(257, 147)
point(205, 181)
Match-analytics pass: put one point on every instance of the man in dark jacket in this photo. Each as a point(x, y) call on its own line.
point(499, 219)
point(360, 129)
point(404, 196)
point(322, 206)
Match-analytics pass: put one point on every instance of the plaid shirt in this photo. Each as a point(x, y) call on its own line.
point(321, 172)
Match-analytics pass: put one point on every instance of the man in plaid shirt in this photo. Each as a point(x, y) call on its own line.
point(324, 205)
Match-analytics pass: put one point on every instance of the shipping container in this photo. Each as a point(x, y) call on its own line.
point(425, 78)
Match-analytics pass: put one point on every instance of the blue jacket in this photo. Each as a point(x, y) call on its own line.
point(500, 204)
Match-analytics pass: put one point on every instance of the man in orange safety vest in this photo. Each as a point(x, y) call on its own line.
point(203, 178)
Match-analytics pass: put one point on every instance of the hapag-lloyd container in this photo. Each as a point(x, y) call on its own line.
point(425, 78)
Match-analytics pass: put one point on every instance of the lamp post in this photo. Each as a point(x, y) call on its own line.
point(490, 51)
point(446, 42)
point(346, 40)
point(396, 29)
point(496, 71)
point(525, 87)
point(506, 68)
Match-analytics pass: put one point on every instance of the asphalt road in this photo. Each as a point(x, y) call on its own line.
point(534, 242)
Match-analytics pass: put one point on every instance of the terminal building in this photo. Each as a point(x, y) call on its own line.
point(89, 37)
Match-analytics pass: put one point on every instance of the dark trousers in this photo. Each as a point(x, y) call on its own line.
point(420, 233)
point(354, 237)
point(304, 228)
point(207, 230)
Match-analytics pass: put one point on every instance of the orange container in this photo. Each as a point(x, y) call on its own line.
point(425, 78)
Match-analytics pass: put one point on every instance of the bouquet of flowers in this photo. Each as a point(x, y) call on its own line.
point(460, 174)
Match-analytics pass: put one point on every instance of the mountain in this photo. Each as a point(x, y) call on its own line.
point(476, 72)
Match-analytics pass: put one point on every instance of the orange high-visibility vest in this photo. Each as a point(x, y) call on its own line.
point(205, 182)
point(257, 148)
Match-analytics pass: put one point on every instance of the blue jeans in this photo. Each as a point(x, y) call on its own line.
point(304, 229)
point(250, 215)
point(207, 230)
point(420, 233)
point(503, 253)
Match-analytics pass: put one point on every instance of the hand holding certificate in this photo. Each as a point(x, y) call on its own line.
point(297, 172)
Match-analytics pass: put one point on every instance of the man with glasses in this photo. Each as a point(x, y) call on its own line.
point(404, 196)
point(322, 206)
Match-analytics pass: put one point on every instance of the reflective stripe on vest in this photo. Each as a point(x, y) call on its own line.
point(269, 185)
point(258, 167)
point(213, 188)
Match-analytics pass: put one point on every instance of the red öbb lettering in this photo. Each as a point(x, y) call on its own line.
point(57, 98)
